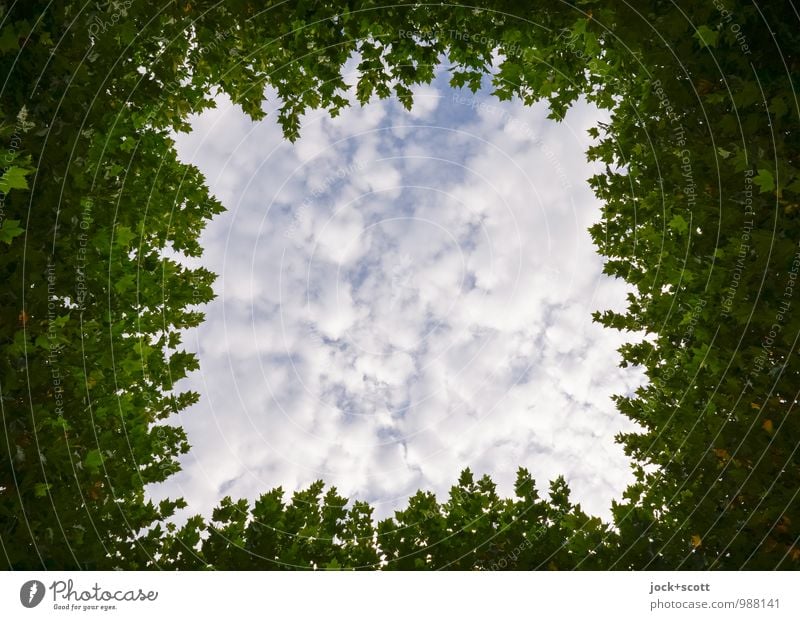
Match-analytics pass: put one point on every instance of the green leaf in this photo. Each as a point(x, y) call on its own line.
point(125, 282)
point(40, 489)
point(678, 223)
point(8, 40)
point(764, 180)
point(9, 230)
point(123, 236)
point(14, 178)
point(93, 460)
point(60, 321)
point(706, 36)
point(778, 107)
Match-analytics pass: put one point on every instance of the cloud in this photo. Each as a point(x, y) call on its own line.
point(398, 302)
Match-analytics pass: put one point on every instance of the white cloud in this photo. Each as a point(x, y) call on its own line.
point(397, 305)
point(426, 101)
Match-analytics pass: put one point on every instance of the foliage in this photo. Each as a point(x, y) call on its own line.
point(473, 529)
point(700, 215)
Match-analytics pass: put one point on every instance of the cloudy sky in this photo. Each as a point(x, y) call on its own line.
point(402, 295)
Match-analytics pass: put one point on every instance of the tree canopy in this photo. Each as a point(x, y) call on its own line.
point(700, 214)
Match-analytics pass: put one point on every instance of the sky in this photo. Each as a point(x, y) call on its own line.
point(402, 294)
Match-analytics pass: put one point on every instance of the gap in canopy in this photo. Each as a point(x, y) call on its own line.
point(402, 295)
